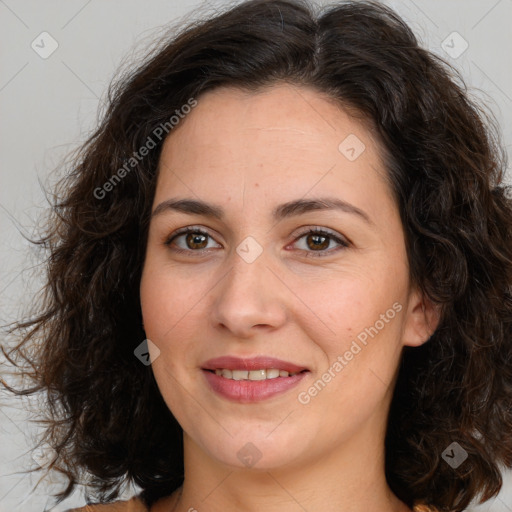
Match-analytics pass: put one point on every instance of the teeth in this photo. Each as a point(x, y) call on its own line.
point(239, 374)
point(270, 373)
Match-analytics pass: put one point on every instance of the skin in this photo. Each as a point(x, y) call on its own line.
point(248, 153)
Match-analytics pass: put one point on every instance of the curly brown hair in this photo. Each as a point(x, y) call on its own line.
point(446, 167)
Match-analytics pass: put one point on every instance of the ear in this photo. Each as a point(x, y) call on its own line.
point(422, 319)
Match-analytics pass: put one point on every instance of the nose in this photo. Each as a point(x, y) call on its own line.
point(249, 298)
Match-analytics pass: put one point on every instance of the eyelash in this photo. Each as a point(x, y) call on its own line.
point(314, 254)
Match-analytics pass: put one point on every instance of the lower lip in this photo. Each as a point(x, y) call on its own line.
point(249, 391)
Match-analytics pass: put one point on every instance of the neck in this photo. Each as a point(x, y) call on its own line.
point(350, 477)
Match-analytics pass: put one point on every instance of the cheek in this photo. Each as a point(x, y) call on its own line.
point(166, 299)
point(154, 303)
point(369, 323)
point(343, 306)
point(173, 314)
point(165, 315)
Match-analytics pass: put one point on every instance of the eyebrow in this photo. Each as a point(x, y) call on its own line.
point(285, 210)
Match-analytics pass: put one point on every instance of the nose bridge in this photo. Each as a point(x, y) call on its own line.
point(248, 296)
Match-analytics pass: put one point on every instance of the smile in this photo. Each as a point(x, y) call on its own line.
point(254, 379)
point(264, 374)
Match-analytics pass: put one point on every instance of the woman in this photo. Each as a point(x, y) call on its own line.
point(279, 277)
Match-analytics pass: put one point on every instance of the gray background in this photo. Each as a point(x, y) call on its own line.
point(49, 105)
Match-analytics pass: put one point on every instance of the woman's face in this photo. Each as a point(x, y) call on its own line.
point(273, 268)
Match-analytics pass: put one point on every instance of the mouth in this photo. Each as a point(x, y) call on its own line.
point(263, 374)
point(251, 380)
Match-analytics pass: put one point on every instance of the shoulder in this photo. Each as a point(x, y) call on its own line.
point(133, 505)
point(420, 507)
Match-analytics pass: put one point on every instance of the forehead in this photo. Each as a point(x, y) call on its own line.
point(271, 138)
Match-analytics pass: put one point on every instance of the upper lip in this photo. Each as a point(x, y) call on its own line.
point(252, 363)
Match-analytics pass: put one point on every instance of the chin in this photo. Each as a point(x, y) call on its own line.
point(256, 449)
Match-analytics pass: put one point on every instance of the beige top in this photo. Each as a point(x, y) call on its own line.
point(133, 505)
point(136, 505)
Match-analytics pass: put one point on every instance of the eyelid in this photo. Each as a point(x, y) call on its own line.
point(184, 231)
point(320, 229)
point(341, 240)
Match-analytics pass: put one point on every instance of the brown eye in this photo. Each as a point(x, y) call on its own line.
point(189, 240)
point(317, 241)
point(196, 240)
